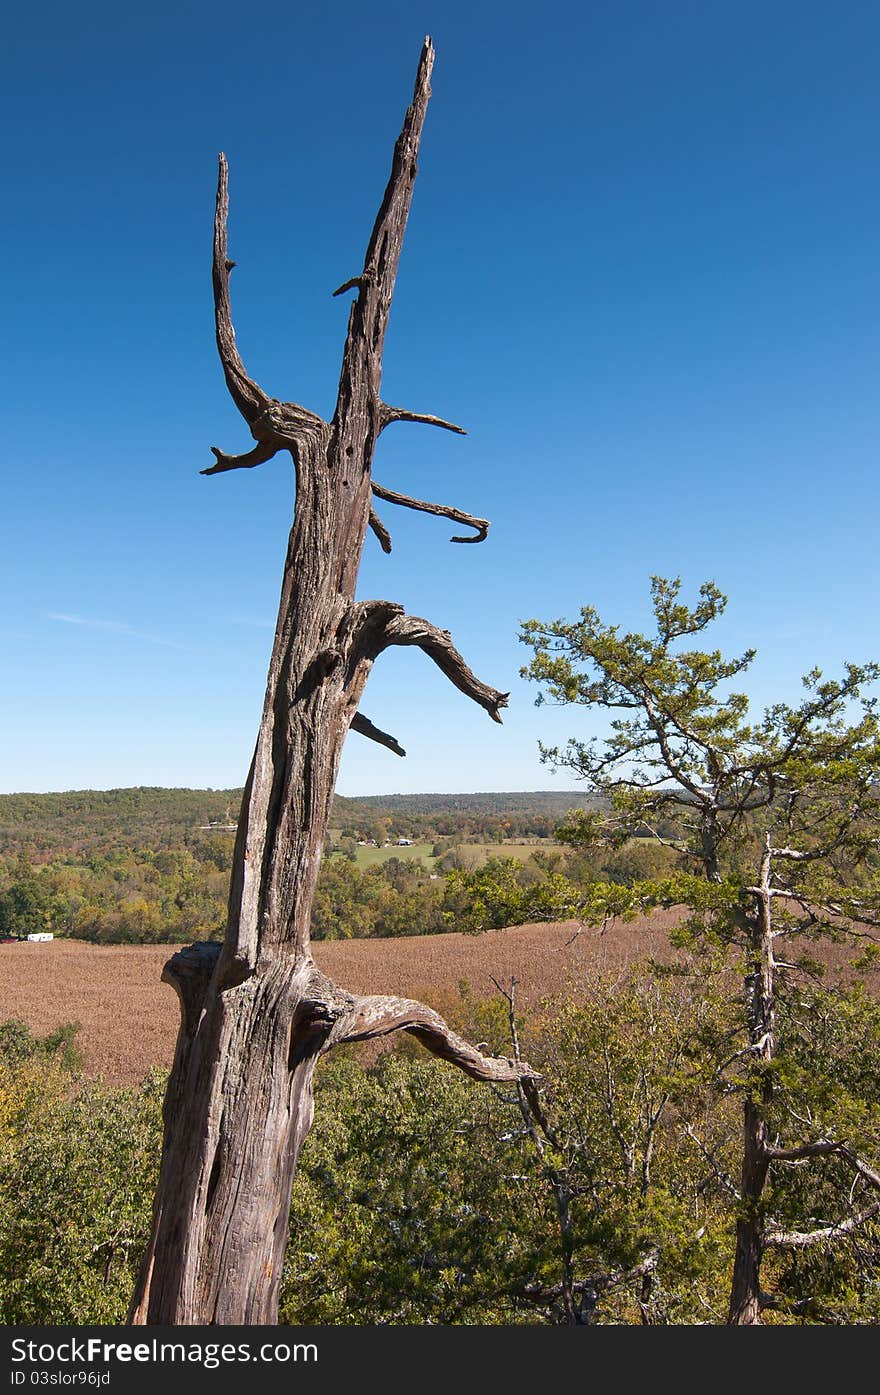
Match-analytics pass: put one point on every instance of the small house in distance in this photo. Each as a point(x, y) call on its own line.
point(40, 936)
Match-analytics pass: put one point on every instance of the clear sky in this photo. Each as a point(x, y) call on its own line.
point(641, 268)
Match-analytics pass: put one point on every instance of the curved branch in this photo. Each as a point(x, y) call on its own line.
point(380, 530)
point(248, 397)
point(377, 1016)
point(437, 644)
point(389, 414)
point(261, 452)
point(272, 423)
point(364, 727)
point(441, 510)
point(803, 1239)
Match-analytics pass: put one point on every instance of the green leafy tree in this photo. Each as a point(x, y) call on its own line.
point(505, 892)
point(778, 819)
point(428, 1202)
point(605, 1200)
point(77, 1216)
point(25, 906)
point(404, 1209)
point(636, 1235)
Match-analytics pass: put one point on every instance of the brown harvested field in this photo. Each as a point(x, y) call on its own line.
point(129, 1018)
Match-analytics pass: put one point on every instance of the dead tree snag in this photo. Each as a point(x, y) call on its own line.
point(256, 1014)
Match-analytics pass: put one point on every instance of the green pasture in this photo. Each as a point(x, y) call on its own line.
point(476, 854)
point(419, 852)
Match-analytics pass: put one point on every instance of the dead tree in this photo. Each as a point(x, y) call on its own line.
point(256, 1014)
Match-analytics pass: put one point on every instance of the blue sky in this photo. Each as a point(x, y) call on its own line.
point(641, 269)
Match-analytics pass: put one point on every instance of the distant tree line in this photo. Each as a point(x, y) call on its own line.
point(76, 823)
point(170, 896)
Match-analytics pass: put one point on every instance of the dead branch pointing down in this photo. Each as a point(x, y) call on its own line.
point(437, 644)
point(382, 533)
point(376, 1016)
point(364, 727)
point(481, 525)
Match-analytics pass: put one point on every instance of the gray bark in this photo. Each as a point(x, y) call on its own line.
point(255, 1014)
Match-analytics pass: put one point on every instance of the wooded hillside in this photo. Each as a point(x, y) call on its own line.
point(75, 822)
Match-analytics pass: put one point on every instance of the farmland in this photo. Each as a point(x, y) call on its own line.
point(371, 856)
point(470, 854)
point(129, 1018)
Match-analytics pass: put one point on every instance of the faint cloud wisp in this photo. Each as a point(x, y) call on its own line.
point(112, 627)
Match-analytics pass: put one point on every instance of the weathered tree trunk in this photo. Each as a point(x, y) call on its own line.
point(745, 1291)
point(256, 1015)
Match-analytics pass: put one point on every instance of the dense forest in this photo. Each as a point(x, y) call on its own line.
point(39, 827)
point(149, 865)
point(424, 1198)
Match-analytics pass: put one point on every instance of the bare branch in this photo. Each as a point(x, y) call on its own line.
point(356, 281)
point(364, 727)
point(248, 397)
point(868, 1173)
point(803, 1239)
point(799, 1239)
point(722, 1175)
point(258, 456)
point(389, 414)
point(837, 912)
point(377, 1016)
point(437, 644)
point(281, 423)
point(798, 855)
point(368, 319)
point(822, 1148)
point(380, 530)
point(441, 510)
point(598, 1283)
